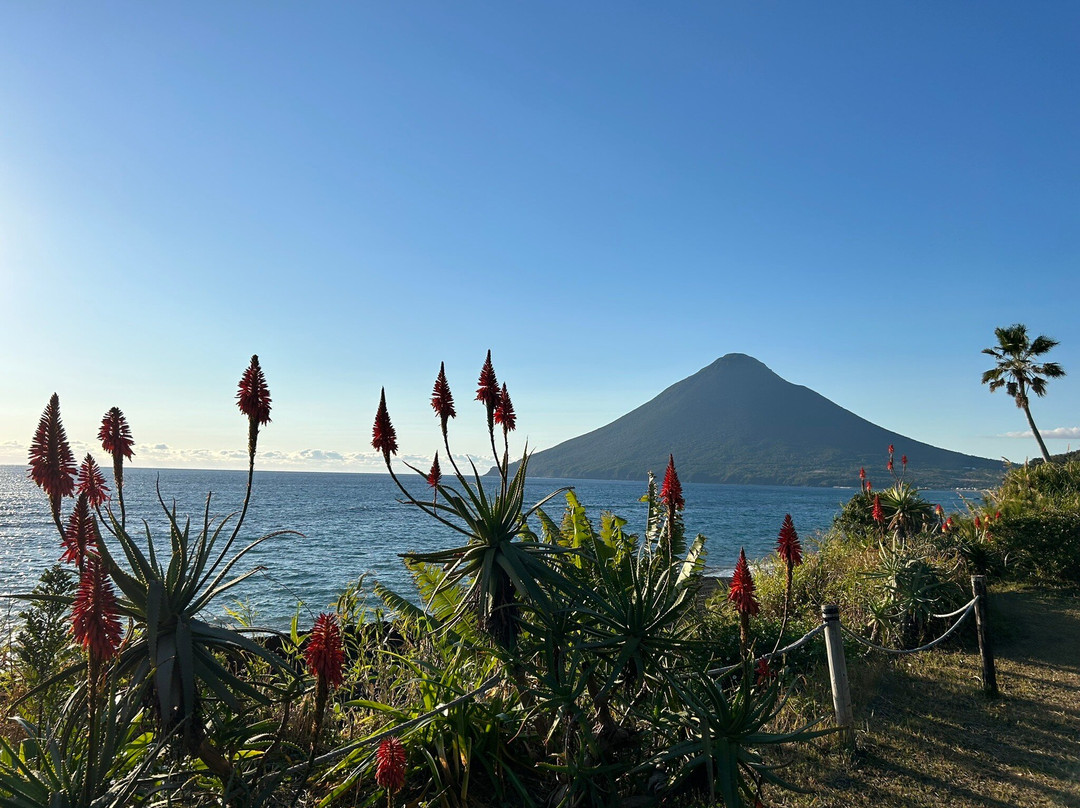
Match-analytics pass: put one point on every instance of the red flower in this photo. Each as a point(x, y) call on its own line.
point(442, 401)
point(997, 515)
point(939, 510)
point(890, 450)
point(92, 482)
point(253, 396)
point(877, 513)
point(978, 524)
point(94, 621)
point(741, 588)
point(763, 672)
point(889, 465)
point(52, 465)
point(504, 411)
point(862, 474)
point(435, 474)
point(80, 535)
point(115, 435)
point(390, 765)
point(869, 487)
point(324, 653)
point(948, 525)
point(488, 391)
point(787, 543)
point(903, 460)
point(671, 490)
point(383, 436)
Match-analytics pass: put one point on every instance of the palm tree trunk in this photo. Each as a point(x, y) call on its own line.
point(1038, 437)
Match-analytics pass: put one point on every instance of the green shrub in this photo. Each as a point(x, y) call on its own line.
point(41, 648)
point(1043, 544)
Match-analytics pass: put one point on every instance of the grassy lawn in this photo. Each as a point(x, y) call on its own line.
point(927, 736)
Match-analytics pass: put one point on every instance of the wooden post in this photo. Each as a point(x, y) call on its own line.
point(982, 626)
point(838, 679)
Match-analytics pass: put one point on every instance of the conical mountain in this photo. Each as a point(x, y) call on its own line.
point(736, 421)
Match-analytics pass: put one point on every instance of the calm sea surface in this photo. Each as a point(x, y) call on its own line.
point(353, 525)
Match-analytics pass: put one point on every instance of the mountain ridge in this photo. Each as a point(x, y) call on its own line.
point(736, 421)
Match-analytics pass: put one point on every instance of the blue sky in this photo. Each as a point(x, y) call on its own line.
point(608, 195)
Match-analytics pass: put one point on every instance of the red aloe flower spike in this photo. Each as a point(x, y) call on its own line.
point(948, 525)
point(788, 546)
point(435, 475)
point(939, 510)
point(52, 465)
point(442, 401)
point(890, 450)
point(94, 620)
point(741, 588)
point(390, 765)
point(903, 461)
point(92, 482)
point(862, 474)
point(253, 399)
point(978, 524)
point(763, 672)
point(115, 434)
point(324, 653)
point(81, 534)
point(877, 514)
point(115, 437)
point(383, 436)
point(889, 465)
point(997, 515)
point(504, 411)
point(671, 490)
point(488, 391)
point(252, 394)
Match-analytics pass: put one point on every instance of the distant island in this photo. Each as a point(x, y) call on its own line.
point(735, 421)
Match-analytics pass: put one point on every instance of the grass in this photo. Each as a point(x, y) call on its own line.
point(926, 735)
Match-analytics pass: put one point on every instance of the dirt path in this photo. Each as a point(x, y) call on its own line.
point(928, 737)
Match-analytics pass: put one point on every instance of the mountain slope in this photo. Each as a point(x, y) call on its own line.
point(736, 421)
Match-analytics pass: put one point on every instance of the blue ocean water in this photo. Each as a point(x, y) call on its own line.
point(353, 525)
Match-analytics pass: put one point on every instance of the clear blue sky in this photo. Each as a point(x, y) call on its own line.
point(607, 195)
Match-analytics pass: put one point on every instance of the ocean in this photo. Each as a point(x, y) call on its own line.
point(352, 525)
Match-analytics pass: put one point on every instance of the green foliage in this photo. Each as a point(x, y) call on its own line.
point(174, 654)
point(1039, 530)
point(41, 646)
point(1044, 545)
point(502, 559)
point(72, 765)
point(908, 589)
point(1018, 372)
point(906, 512)
point(712, 737)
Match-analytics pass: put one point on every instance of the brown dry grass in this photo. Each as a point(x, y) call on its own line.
point(928, 737)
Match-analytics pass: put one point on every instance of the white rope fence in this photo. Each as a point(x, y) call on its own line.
point(963, 611)
point(795, 646)
point(834, 644)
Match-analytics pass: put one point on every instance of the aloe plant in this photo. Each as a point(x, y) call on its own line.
point(713, 737)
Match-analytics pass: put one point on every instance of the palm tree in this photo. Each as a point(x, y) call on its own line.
point(1017, 371)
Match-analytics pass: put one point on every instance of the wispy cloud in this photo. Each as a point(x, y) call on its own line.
point(1060, 433)
point(162, 455)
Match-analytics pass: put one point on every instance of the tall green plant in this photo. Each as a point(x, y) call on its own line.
point(501, 560)
point(171, 657)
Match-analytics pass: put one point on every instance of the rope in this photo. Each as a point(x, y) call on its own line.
point(963, 608)
point(967, 610)
point(799, 643)
point(484, 687)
